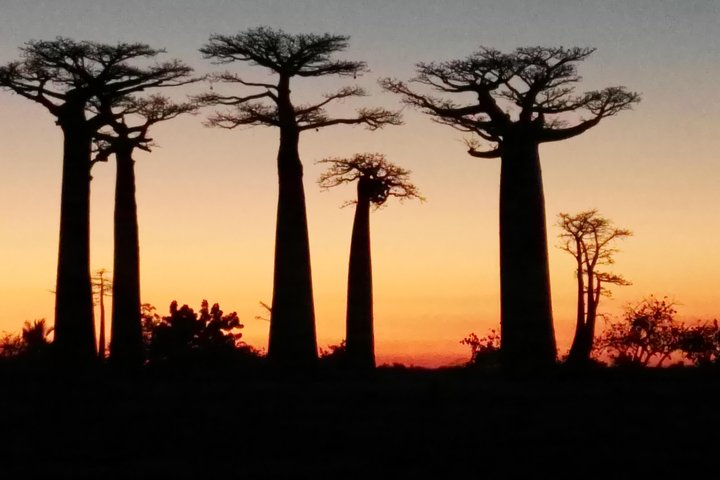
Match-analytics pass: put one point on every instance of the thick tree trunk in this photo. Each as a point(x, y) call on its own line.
point(74, 325)
point(126, 347)
point(528, 338)
point(292, 342)
point(360, 343)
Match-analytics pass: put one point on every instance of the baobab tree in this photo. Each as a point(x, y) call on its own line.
point(292, 340)
point(63, 75)
point(590, 239)
point(121, 140)
point(377, 181)
point(513, 102)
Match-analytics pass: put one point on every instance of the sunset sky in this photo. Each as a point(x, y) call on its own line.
point(207, 197)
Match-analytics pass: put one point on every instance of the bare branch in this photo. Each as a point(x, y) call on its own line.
point(345, 92)
point(372, 118)
point(473, 146)
point(228, 77)
point(147, 111)
point(248, 113)
point(602, 104)
point(215, 99)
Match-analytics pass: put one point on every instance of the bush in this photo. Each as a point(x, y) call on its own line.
point(700, 344)
point(485, 351)
point(647, 333)
point(334, 356)
point(209, 336)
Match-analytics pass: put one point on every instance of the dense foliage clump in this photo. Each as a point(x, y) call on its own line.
point(184, 336)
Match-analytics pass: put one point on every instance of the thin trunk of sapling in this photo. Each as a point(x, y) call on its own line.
point(101, 335)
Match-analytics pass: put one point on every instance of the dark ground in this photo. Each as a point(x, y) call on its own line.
point(398, 423)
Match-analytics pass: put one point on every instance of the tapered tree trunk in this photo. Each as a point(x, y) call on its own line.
point(528, 338)
point(581, 348)
point(101, 335)
point(126, 347)
point(360, 344)
point(576, 355)
point(592, 320)
point(582, 345)
point(74, 325)
point(292, 343)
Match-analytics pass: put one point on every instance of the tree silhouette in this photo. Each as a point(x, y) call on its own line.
point(35, 337)
point(32, 342)
point(101, 287)
point(377, 180)
point(126, 345)
point(184, 335)
point(516, 101)
point(292, 340)
point(63, 75)
point(700, 343)
point(647, 332)
point(484, 351)
point(589, 238)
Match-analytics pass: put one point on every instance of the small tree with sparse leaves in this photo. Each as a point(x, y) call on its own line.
point(590, 239)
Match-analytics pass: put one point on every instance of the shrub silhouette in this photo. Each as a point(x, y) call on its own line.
point(485, 351)
point(31, 344)
point(335, 356)
point(700, 344)
point(185, 337)
point(647, 333)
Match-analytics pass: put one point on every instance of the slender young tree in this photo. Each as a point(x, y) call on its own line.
point(515, 102)
point(126, 344)
point(292, 340)
point(63, 76)
point(377, 180)
point(590, 239)
point(101, 286)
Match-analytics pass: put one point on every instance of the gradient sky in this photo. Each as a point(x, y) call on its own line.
point(207, 197)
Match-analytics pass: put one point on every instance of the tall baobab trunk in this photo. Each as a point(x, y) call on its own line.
point(528, 339)
point(292, 341)
point(360, 343)
point(126, 347)
point(74, 325)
